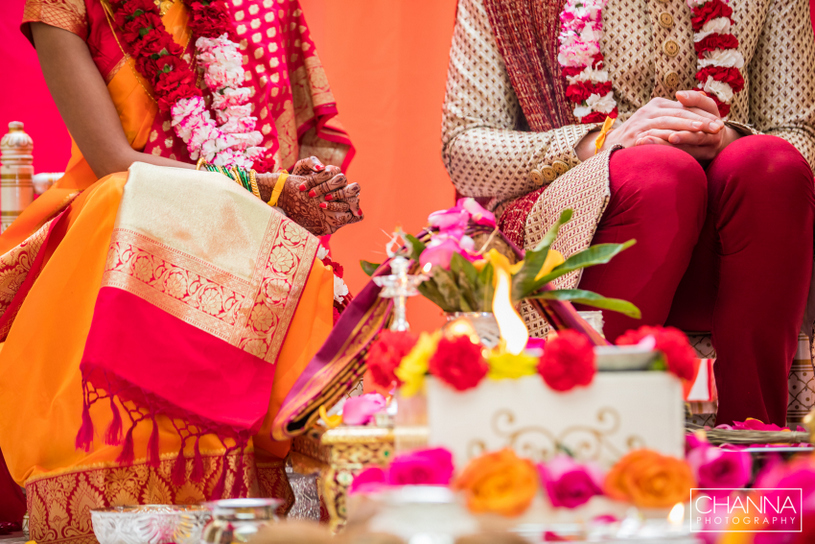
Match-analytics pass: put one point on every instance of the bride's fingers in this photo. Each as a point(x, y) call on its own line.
point(345, 193)
point(336, 206)
point(307, 166)
point(336, 182)
point(310, 181)
point(353, 202)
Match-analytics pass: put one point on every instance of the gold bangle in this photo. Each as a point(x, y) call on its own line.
point(601, 139)
point(201, 162)
point(278, 188)
point(253, 182)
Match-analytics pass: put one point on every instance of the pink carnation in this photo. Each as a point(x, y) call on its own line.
point(423, 467)
point(569, 484)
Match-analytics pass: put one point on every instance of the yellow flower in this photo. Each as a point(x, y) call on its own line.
point(499, 262)
point(553, 259)
point(414, 365)
point(504, 365)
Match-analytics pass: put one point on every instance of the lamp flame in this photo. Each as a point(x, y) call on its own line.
point(677, 516)
point(512, 327)
point(426, 268)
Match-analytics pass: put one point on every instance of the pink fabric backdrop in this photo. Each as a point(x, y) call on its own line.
point(24, 94)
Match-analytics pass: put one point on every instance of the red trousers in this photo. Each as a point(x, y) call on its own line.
point(727, 249)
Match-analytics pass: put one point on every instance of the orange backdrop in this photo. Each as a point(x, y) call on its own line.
point(387, 64)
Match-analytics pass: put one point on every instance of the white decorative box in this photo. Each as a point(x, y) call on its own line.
point(618, 412)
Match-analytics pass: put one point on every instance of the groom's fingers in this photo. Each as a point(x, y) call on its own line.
point(696, 99)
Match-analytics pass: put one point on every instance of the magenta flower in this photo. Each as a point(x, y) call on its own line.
point(370, 480)
point(423, 467)
point(440, 249)
point(714, 467)
point(361, 410)
point(478, 214)
point(569, 484)
point(452, 221)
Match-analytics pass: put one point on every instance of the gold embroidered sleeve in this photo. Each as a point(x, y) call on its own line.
point(68, 15)
point(483, 148)
point(782, 77)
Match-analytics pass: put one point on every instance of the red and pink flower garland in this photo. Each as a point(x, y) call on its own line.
point(230, 138)
point(590, 85)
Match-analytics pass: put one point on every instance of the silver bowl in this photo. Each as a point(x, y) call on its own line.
point(149, 524)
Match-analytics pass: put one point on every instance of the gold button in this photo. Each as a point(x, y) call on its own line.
point(549, 174)
point(536, 177)
point(671, 80)
point(671, 48)
point(560, 167)
point(666, 20)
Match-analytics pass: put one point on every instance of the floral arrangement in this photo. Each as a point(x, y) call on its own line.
point(342, 296)
point(501, 482)
point(457, 358)
point(589, 83)
point(463, 278)
point(230, 139)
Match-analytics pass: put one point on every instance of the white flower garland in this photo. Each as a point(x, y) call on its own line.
point(230, 139)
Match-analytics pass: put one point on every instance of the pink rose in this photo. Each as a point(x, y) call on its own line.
point(569, 484)
point(476, 211)
point(360, 410)
point(452, 221)
point(441, 248)
point(370, 480)
point(423, 467)
point(715, 467)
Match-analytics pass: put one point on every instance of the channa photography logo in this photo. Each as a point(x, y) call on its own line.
point(775, 510)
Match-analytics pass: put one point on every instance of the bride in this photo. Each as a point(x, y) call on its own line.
point(158, 303)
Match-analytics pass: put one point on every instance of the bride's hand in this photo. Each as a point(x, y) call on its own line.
point(321, 202)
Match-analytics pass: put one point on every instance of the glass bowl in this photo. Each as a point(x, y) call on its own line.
point(149, 524)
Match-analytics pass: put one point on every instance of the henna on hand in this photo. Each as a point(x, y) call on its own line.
point(302, 203)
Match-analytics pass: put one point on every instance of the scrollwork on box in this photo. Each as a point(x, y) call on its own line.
point(584, 442)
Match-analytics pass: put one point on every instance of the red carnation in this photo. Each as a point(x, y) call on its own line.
point(266, 163)
point(599, 117)
point(176, 84)
point(385, 355)
point(567, 361)
point(731, 76)
point(571, 71)
point(673, 344)
point(458, 362)
point(707, 11)
point(716, 41)
point(582, 90)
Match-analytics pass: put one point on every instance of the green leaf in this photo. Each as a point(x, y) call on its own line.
point(417, 246)
point(599, 254)
point(485, 279)
point(368, 267)
point(523, 283)
point(590, 298)
point(466, 276)
point(430, 291)
point(447, 287)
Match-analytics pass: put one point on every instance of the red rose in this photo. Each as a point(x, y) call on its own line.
point(385, 355)
point(731, 76)
point(673, 344)
point(458, 362)
point(567, 361)
point(707, 11)
point(716, 41)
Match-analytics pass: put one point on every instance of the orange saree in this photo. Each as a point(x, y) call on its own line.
point(96, 271)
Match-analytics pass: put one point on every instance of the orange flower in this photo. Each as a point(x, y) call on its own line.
point(499, 482)
point(650, 480)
